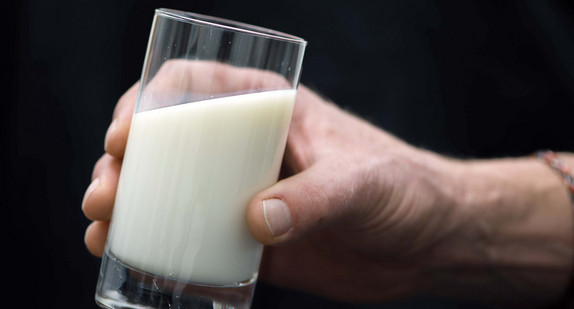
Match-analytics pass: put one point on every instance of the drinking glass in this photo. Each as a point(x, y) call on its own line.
point(208, 132)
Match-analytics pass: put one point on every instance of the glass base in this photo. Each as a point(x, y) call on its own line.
point(121, 286)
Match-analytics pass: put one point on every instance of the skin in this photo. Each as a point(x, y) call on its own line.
point(374, 219)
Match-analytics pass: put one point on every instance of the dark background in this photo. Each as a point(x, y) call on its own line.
point(464, 78)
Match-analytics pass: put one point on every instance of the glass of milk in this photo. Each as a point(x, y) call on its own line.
point(208, 133)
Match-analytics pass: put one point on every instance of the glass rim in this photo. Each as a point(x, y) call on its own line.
point(228, 24)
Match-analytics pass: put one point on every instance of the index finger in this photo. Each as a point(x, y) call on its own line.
point(117, 135)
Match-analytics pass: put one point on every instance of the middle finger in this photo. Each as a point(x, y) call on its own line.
point(99, 198)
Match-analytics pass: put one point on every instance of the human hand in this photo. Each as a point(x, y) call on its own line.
point(368, 215)
point(338, 172)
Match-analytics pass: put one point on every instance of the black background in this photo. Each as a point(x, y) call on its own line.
point(463, 78)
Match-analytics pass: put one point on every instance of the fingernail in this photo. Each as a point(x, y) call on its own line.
point(111, 129)
point(90, 189)
point(276, 216)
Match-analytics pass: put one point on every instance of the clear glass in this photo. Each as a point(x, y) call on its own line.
point(208, 132)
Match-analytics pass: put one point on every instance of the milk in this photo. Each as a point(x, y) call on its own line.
point(188, 174)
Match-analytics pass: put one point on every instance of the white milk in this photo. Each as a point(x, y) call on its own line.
point(188, 174)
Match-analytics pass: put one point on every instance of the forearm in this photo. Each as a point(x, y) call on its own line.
point(515, 237)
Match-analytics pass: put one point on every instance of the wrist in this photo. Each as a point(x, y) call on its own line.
point(513, 234)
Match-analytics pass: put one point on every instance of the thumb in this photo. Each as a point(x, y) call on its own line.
point(301, 204)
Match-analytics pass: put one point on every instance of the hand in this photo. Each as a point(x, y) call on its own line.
point(358, 214)
point(343, 190)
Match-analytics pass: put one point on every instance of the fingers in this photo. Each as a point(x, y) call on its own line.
point(99, 201)
point(99, 197)
point(179, 81)
point(117, 134)
point(95, 237)
point(299, 205)
point(177, 77)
